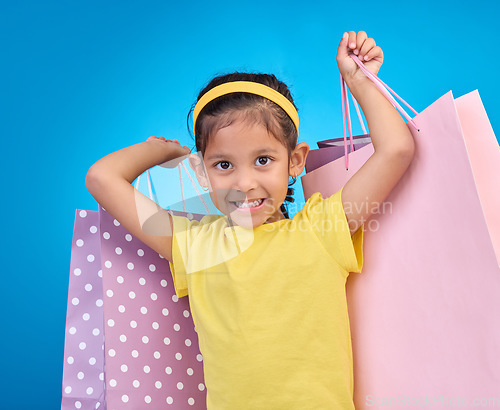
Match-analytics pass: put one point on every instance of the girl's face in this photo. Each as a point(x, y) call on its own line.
point(248, 170)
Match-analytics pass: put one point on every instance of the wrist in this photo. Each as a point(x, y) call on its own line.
point(358, 82)
point(364, 90)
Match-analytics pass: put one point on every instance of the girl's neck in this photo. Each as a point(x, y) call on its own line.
point(278, 216)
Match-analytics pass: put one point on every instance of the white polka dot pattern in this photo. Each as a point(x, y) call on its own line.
point(152, 355)
point(83, 377)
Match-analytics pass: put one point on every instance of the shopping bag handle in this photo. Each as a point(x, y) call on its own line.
point(360, 118)
point(152, 193)
point(194, 186)
point(386, 91)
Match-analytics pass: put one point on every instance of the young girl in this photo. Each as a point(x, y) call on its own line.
point(267, 293)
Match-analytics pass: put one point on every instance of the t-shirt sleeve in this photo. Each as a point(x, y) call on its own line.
point(329, 223)
point(180, 244)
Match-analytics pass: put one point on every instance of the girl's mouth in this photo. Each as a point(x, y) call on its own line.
point(250, 205)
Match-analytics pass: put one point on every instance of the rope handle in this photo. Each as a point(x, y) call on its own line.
point(386, 91)
point(194, 186)
point(152, 193)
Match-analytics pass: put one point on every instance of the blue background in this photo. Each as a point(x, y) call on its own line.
point(80, 79)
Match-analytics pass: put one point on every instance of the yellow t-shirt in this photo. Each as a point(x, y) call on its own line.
point(269, 306)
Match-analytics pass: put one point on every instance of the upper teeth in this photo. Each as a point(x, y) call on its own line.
point(248, 204)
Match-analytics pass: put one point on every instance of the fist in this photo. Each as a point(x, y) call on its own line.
point(362, 46)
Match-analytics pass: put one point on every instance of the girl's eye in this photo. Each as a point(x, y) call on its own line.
point(223, 165)
point(262, 161)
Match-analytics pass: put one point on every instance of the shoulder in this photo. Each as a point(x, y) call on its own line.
point(318, 207)
point(329, 222)
point(182, 220)
point(317, 215)
point(326, 216)
point(197, 227)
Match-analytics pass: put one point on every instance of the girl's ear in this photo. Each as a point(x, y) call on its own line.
point(298, 159)
point(197, 165)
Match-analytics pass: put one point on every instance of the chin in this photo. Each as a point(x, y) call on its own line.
point(246, 220)
point(246, 223)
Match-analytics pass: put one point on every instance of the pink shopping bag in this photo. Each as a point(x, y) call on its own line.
point(140, 334)
point(484, 157)
point(424, 312)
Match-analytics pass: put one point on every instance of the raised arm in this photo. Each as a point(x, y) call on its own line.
point(391, 138)
point(109, 181)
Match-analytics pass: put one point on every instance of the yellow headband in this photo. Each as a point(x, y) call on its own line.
point(251, 88)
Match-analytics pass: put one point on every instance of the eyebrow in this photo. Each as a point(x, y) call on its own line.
point(257, 153)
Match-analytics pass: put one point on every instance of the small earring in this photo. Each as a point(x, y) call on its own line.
point(205, 188)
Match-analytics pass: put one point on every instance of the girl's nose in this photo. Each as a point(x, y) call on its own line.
point(244, 181)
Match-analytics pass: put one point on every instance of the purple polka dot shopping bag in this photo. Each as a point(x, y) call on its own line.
point(130, 343)
point(83, 378)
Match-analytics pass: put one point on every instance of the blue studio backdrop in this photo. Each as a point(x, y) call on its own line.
point(83, 78)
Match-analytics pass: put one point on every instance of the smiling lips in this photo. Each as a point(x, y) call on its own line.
point(246, 204)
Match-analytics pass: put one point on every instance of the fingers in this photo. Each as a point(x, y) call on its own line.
point(356, 41)
point(352, 40)
point(343, 48)
point(366, 47)
point(175, 141)
point(375, 53)
point(155, 138)
point(363, 46)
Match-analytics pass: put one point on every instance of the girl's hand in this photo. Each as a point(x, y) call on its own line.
point(366, 50)
point(176, 151)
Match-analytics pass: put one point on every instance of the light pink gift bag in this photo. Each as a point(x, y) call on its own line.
point(424, 312)
point(484, 157)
